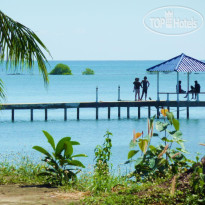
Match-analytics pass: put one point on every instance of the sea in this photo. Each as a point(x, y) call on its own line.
point(27, 86)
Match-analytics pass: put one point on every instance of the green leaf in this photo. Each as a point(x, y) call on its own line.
point(155, 135)
point(50, 139)
point(176, 124)
point(161, 126)
point(75, 163)
point(152, 163)
point(132, 153)
point(175, 133)
point(75, 143)
point(143, 145)
point(153, 149)
point(138, 161)
point(68, 149)
point(42, 150)
point(170, 117)
point(80, 155)
point(60, 146)
point(133, 144)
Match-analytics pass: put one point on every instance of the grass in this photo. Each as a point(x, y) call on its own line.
point(116, 189)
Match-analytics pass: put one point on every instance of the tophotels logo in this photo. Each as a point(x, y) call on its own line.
point(173, 20)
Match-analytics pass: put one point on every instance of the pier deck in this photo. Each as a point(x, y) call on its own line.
point(102, 104)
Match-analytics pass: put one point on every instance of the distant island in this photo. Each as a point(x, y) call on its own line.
point(61, 69)
point(88, 71)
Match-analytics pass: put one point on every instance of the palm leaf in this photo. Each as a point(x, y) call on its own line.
point(21, 46)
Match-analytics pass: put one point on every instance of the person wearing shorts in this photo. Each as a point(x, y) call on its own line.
point(145, 84)
point(137, 86)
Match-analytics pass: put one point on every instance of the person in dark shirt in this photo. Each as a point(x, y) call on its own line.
point(197, 88)
point(136, 89)
point(180, 87)
point(145, 84)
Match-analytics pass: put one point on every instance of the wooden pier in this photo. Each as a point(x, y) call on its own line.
point(96, 105)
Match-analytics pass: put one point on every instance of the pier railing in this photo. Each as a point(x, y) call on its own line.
point(174, 93)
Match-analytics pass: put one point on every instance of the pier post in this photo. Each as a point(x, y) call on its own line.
point(97, 94)
point(108, 114)
point(96, 113)
point(158, 112)
point(12, 115)
point(65, 114)
point(128, 112)
point(149, 112)
point(178, 111)
point(187, 112)
point(78, 113)
point(139, 112)
point(118, 111)
point(118, 93)
point(46, 114)
point(31, 114)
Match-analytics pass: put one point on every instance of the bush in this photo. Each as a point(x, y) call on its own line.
point(61, 69)
point(61, 163)
point(88, 71)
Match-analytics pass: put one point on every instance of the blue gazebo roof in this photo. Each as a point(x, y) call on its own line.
point(181, 63)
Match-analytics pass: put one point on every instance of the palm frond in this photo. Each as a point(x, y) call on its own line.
point(19, 45)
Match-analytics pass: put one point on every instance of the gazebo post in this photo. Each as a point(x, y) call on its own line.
point(177, 95)
point(157, 86)
point(187, 108)
point(177, 87)
point(188, 86)
point(157, 94)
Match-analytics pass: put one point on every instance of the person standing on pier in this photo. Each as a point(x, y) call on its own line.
point(136, 89)
point(145, 84)
point(197, 88)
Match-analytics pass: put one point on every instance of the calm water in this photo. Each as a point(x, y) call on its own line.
point(20, 136)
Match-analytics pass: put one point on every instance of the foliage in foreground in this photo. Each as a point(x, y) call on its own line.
point(88, 71)
point(155, 161)
point(61, 162)
point(101, 168)
point(61, 69)
point(23, 171)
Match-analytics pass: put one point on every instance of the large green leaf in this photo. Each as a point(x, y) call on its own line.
point(132, 153)
point(75, 163)
point(68, 149)
point(60, 146)
point(143, 143)
point(176, 124)
point(50, 139)
point(42, 150)
point(170, 117)
point(160, 126)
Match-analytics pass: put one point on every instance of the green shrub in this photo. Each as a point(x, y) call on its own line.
point(155, 161)
point(61, 161)
point(88, 71)
point(61, 69)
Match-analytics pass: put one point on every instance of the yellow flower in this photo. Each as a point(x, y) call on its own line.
point(163, 111)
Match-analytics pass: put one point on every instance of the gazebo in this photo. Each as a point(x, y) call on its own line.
point(181, 63)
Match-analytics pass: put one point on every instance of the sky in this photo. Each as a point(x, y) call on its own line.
point(104, 29)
